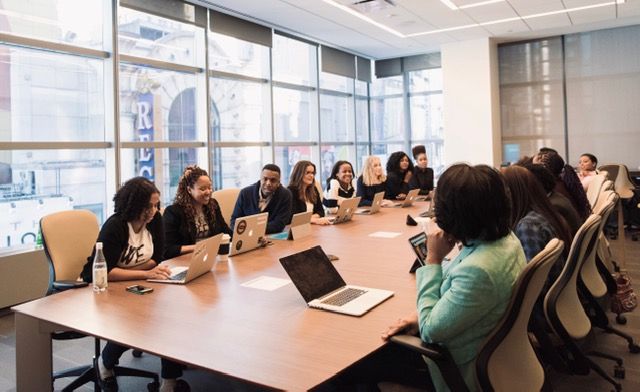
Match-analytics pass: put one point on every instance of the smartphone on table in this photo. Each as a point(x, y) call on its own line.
point(139, 289)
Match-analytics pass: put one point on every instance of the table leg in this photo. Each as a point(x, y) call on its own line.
point(34, 363)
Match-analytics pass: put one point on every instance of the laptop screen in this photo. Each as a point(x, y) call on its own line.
point(419, 244)
point(312, 273)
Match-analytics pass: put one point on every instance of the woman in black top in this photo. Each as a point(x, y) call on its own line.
point(194, 214)
point(371, 181)
point(399, 171)
point(304, 194)
point(340, 186)
point(133, 244)
point(422, 177)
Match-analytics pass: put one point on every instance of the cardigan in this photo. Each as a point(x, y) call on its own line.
point(279, 208)
point(367, 192)
point(114, 236)
point(461, 303)
point(335, 194)
point(178, 231)
point(422, 179)
point(298, 205)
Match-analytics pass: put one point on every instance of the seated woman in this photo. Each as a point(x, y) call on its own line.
point(587, 169)
point(340, 186)
point(422, 177)
point(459, 305)
point(304, 194)
point(567, 181)
point(399, 171)
point(133, 244)
point(371, 181)
point(194, 214)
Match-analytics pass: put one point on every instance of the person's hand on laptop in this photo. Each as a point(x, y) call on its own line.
point(407, 325)
point(386, 203)
point(316, 220)
point(401, 196)
point(159, 272)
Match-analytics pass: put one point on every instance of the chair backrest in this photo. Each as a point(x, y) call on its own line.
point(495, 367)
point(562, 306)
point(607, 186)
point(589, 273)
point(68, 238)
point(622, 182)
point(595, 187)
point(226, 198)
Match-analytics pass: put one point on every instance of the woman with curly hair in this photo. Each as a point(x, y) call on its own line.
point(567, 181)
point(133, 245)
point(399, 171)
point(304, 194)
point(194, 214)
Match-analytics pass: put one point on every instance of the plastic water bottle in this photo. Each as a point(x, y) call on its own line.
point(99, 270)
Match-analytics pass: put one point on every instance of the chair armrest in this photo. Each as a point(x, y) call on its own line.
point(438, 354)
point(62, 285)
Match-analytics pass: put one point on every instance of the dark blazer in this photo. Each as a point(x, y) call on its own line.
point(422, 179)
point(368, 192)
point(178, 231)
point(279, 208)
point(114, 236)
point(395, 185)
point(300, 206)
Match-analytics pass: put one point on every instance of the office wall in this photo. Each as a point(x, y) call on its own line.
point(471, 102)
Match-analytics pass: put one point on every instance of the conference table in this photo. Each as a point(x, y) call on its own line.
point(269, 338)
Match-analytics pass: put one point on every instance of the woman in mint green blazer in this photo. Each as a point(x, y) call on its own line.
point(461, 302)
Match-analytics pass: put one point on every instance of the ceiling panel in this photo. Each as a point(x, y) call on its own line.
point(470, 33)
point(593, 15)
point(490, 12)
point(549, 22)
point(507, 27)
point(528, 7)
point(435, 13)
point(629, 9)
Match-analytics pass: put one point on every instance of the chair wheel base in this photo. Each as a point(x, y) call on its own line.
point(620, 319)
point(136, 353)
point(153, 386)
point(634, 348)
point(618, 372)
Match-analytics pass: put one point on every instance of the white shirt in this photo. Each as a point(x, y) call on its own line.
point(139, 250)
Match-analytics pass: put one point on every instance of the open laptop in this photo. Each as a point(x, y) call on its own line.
point(202, 259)
point(247, 233)
point(431, 212)
point(300, 227)
point(346, 210)
point(375, 205)
point(409, 199)
point(322, 287)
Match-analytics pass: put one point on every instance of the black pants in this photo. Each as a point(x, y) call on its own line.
point(112, 352)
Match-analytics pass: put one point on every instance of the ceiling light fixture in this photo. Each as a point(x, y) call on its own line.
point(365, 18)
point(479, 4)
point(449, 4)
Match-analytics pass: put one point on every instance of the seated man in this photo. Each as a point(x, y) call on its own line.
point(265, 195)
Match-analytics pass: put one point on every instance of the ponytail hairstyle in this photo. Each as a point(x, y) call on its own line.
point(568, 176)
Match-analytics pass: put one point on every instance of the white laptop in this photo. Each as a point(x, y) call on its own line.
point(202, 259)
point(431, 212)
point(375, 205)
point(409, 199)
point(300, 227)
point(248, 232)
point(322, 287)
point(346, 210)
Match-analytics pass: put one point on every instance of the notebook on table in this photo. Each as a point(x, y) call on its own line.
point(202, 259)
point(375, 205)
point(408, 200)
point(322, 287)
point(300, 227)
point(346, 210)
point(248, 233)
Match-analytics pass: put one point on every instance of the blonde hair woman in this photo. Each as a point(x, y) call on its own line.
point(372, 180)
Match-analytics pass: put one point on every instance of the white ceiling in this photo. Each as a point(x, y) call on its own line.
point(416, 22)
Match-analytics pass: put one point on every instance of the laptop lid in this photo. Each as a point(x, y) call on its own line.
point(312, 273)
point(247, 232)
point(376, 202)
point(346, 210)
point(410, 198)
point(202, 260)
point(300, 225)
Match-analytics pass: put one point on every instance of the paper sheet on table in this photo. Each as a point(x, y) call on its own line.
point(266, 283)
point(420, 219)
point(384, 234)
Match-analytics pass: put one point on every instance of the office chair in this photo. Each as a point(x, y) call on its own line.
point(595, 188)
point(624, 187)
point(226, 198)
point(495, 367)
point(565, 313)
point(68, 238)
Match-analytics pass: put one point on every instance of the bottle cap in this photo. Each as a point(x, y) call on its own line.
point(98, 245)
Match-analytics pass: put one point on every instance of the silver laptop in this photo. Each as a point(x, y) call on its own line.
point(346, 210)
point(202, 259)
point(322, 287)
point(431, 212)
point(409, 199)
point(248, 232)
point(375, 205)
point(300, 227)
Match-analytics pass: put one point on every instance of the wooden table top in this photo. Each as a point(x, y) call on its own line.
point(270, 338)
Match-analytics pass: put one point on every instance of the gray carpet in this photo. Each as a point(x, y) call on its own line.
point(79, 352)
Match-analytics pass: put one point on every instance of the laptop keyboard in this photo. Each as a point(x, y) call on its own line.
point(179, 276)
point(344, 297)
